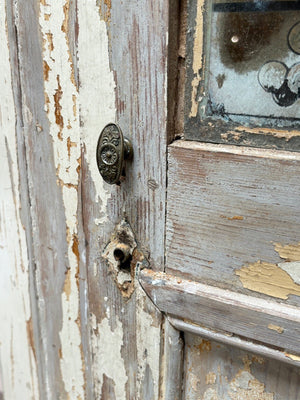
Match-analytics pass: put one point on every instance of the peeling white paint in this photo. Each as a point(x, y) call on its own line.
point(148, 341)
point(293, 269)
point(97, 91)
point(107, 345)
point(62, 106)
point(17, 362)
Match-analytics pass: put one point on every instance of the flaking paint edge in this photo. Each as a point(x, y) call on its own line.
point(276, 280)
point(17, 353)
point(62, 109)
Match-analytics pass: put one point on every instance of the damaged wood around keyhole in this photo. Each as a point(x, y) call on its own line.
point(122, 256)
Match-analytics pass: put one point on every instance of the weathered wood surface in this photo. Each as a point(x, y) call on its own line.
point(78, 65)
point(171, 363)
point(18, 362)
point(235, 341)
point(257, 319)
point(122, 54)
point(215, 371)
point(233, 218)
point(49, 142)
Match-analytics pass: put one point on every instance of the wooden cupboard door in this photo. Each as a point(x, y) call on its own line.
point(231, 277)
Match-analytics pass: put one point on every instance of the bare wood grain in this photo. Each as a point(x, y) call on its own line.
point(224, 310)
point(227, 209)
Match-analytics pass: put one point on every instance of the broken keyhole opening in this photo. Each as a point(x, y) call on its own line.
point(123, 256)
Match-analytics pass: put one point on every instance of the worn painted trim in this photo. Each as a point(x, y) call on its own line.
point(239, 150)
point(224, 310)
point(235, 341)
point(171, 363)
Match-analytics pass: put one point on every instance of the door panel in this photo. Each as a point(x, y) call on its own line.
point(215, 371)
point(233, 219)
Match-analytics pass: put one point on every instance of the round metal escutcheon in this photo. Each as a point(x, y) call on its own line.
point(110, 153)
point(294, 38)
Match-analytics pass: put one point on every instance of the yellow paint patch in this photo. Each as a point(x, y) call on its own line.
point(235, 217)
point(276, 328)
point(210, 378)
point(105, 10)
point(197, 57)
point(292, 357)
point(267, 278)
point(289, 252)
point(287, 135)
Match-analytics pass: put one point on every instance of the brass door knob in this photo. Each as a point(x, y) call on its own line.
point(112, 149)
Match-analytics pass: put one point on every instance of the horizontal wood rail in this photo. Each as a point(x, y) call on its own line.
point(272, 328)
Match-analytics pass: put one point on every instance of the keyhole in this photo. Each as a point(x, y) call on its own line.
point(123, 256)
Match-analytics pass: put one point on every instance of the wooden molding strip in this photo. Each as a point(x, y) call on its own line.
point(238, 150)
point(271, 323)
point(235, 341)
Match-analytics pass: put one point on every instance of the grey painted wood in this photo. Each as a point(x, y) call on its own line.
point(172, 363)
point(230, 208)
point(234, 341)
point(41, 198)
point(256, 319)
point(217, 371)
point(64, 261)
point(137, 40)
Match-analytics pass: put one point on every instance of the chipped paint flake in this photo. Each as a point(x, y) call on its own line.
point(107, 359)
point(276, 328)
point(197, 60)
point(61, 99)
point(276, 280)
point(292, 357)
point(210, 378)
point(268, 279)
point(289, 252)
point(287, 135)
point(97, 82)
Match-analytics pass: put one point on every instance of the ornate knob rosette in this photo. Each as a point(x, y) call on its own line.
point(112, 149)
